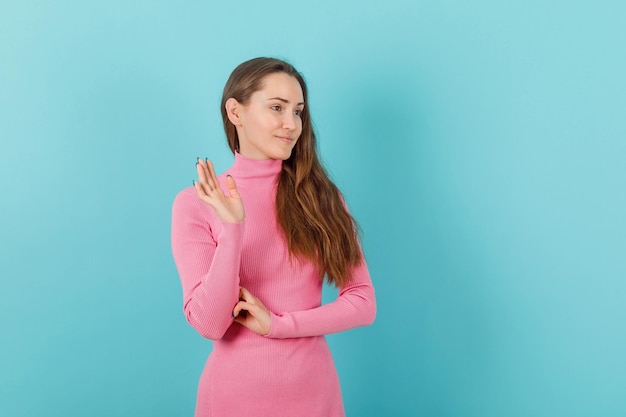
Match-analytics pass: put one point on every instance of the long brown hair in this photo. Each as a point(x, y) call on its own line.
point(309, 207)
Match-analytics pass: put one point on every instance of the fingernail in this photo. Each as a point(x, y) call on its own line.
point(229, 175)
point(232, 314)
point(194, 183)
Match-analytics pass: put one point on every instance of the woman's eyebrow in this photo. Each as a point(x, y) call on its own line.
point(284, 100)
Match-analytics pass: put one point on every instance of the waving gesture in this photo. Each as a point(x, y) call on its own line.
point(228, 207)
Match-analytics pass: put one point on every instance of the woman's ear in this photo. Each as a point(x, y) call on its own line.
point(232, 110)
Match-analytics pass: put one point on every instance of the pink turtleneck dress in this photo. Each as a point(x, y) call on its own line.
point(290, 372)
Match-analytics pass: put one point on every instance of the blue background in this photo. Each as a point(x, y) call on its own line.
point(481, 145)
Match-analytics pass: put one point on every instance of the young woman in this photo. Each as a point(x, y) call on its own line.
point(252, 247)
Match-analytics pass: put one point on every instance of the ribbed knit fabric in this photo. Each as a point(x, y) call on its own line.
point(290, 372)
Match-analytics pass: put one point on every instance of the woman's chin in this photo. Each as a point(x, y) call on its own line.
point(283, 154)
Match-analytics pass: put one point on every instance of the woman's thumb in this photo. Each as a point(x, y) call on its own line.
point(232, 187)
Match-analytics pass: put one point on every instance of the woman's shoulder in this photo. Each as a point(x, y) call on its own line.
point(187, 202)
point(186, 196)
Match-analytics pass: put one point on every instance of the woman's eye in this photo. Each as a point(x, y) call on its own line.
point(276, 107)
point(298, 112)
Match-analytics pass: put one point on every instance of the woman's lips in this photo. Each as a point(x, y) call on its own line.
point(286, 139)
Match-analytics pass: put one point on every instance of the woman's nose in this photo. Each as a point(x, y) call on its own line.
point(289, 121)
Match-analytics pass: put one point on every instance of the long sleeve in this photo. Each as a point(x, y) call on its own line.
point(208, 257)
point(286, 373)
point(355, 306)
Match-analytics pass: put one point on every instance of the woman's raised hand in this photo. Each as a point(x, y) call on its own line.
point(228, 207)
point(257, 317)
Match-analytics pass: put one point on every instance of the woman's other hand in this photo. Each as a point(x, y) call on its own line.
point(257, 317)
point(229, 208)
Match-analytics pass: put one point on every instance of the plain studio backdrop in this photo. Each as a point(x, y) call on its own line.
point(481, 145)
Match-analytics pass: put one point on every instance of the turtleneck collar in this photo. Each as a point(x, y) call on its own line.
point(255, 172)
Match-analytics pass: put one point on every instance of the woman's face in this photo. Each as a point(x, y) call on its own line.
point(269, 125)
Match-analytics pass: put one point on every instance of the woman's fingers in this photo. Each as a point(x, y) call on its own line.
point(247, 301)
point(246, 295)
point(257, 317)
point(200, 169)
point(208, 181)
point(228, 207)
point(242, 305)
point(212, 177)
point(232, 187)
point(208, 184)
